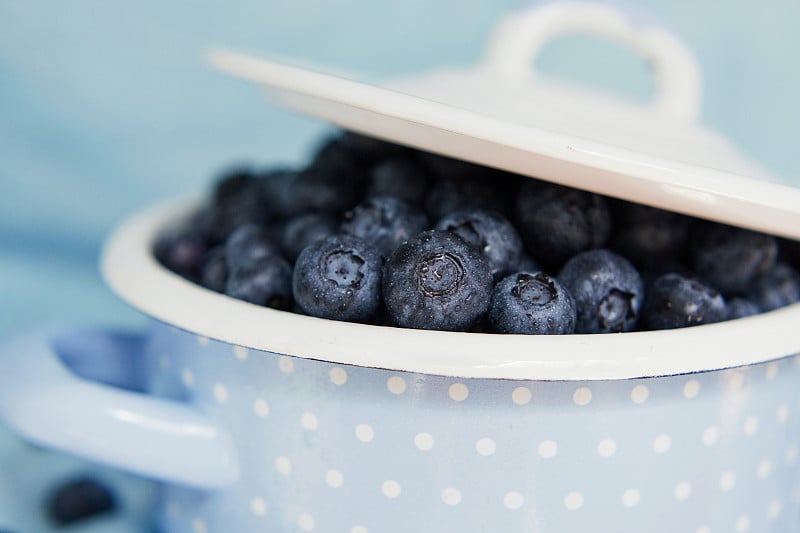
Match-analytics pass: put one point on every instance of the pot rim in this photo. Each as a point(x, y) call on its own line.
point(132, 272)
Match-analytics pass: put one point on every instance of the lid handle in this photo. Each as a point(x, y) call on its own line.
point(518, 39)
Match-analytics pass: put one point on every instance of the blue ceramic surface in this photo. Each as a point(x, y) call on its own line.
point(329, 448)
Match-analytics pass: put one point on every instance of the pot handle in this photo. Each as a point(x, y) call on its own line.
point(44, 402)
point(519, 37)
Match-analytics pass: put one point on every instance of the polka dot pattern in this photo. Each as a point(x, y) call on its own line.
point(447, 448)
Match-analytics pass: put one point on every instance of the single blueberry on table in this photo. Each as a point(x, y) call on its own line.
point(215, 270)
point(399, 177)
point(437, 281)
point(607, 289)
point(183, 251)
point(739, 307)
point(302, 230)
point(532, 303)
point(557, 222)
point(339, 278)
point(265, 281)
point(491, 233)
point(384, 222)
point(247, 244)
point(674, 301)
point(778, 287)
point(79, 499)
point(730, 258)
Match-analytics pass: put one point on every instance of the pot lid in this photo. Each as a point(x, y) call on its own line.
point(501, 113)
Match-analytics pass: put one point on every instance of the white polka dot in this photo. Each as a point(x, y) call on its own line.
point(772, 370)
point(305, 521)
point(391, 488)
point(606, 448)
point(334, 478)
point(359, 529)
point(662, 444)
point(727, 481)
point(283, 465)
point(285, 364)
point(309, 421)
point(220, 393)
point(364, 432)
point(710, 436)
point(750, 426)
point(764, 468)
point(639, 394)
point(573, 501)
point(396, 385)
point(486, 446)
point(423, 441)
point(187, 377)
point(513, 500)
point(521, 395)
point(582, 396)
point(743, 523)
point(451, 496)
point(691, 389)
point(261, 408)
point(791, 456)
point(338, 376)
point(783, 414)
point(202, 341)
point(458, 392)
point(631, 498)
point(240, 352)
point(736, 381)
point(703, 529)
point(258, 506)
point(774, 510)
point(199, 526)
point(548, 449)
point(683, 490)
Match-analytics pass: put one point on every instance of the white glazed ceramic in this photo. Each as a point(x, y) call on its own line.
point(262, 420)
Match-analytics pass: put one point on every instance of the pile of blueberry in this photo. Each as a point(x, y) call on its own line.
point(378, 233)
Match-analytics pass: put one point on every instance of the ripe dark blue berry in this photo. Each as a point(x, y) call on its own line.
point(491, 233)
point(674, 301)
point(652, 239)
point(305, 229)
point(607, 289)
point(557, 222)
point(215, 270)
point(384, 222)
point(339, 278)
point(730, 258)
point(265, 281)
point(183, 251)
point(437, 281)
point(78, 500)
point(532, 303)
point(400, 178)
point(778, 287)
point(739, 307)
point(465, 192)
point(247, 244)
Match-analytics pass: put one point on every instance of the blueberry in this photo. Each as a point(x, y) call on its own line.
point(182, 251)
point(78, 500)
point(652, 239)
point(778, 287)
point(454, 193)
point(674, 301)
point(302, 230)
point(369, 149)
point(265, 281)
point(491, 233)
point(384, 222)
point(400, 178)
point(215, 270)
point(730, 258)
point(527, 263)
point(232, 185)
point(607, 289)
point(247, 244)
point(739, 307)
point(437, 281)
point(532, 303)
point(557, 222)
point(339, 278)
